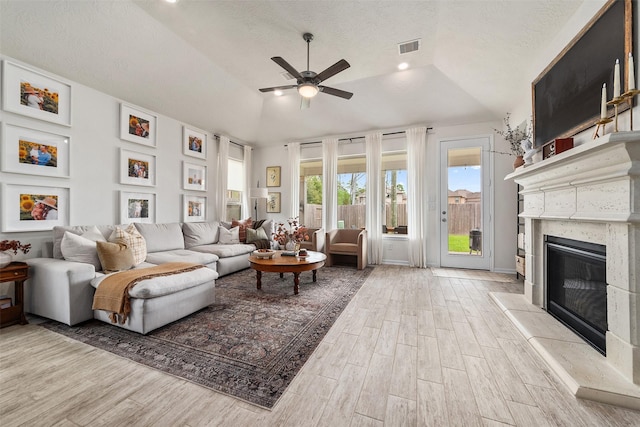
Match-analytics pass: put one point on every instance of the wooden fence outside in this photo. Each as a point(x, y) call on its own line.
point(464, 217)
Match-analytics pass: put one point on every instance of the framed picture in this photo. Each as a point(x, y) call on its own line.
point(194, 177)
point(273, 176)
point(31, 93)
point(194, 143)
point(137, 168)
point(34, 208)
point(273, 203)
point(34, 152)
point(137, 126)
point(137, 207)
point(194, 208)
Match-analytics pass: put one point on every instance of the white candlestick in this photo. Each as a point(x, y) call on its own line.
point(603, 104)
point(631, 84)
point(616, 80)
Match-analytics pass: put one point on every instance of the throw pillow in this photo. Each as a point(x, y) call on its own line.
point(229, 237)
point(243, 225)
point(115, 257)
point(131, 238)
point(255, 235)
point(82, 248)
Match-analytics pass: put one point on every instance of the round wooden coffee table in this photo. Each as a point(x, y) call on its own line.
point(287, 264)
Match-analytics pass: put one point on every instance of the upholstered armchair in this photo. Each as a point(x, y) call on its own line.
point(341, 242)
point(315, 241)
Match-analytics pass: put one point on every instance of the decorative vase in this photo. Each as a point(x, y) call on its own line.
point(5, 259)
point(519, 161)
point(290, 245)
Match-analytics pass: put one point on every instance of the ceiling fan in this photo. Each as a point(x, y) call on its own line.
point(308, 82)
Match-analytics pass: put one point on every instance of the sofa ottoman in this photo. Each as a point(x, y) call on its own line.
point(158, 301)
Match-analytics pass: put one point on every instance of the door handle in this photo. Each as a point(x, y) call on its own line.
point(444, 212)
point(444, 219)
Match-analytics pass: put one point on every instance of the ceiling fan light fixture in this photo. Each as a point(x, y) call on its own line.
point(278, 92)
point(308, 90)
point(403, 66)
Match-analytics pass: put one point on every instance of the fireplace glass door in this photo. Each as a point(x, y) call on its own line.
point(577, 288)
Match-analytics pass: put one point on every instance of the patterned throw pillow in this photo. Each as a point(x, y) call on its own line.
point(242, 225)
point(131, 238)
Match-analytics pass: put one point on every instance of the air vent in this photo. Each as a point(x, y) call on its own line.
point(408, 47)
point(287, 76)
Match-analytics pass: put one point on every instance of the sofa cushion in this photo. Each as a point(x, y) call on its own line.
point(255, 235)
point(82, 248)
point(115, 256)
point(225, 251)
point(162, 237)
point(229, 237)
point(181, 255)
point(165, 285)
point(58, 234)
point(242, 226)
point(200, 233)
point(131, 238)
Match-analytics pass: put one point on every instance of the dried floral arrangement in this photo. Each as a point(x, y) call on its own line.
point(15, 246)
point(294, 231)
point(515, 136)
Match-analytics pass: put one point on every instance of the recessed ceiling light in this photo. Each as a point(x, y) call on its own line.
point(277, 92)
point(171, 1)
point(403, 66)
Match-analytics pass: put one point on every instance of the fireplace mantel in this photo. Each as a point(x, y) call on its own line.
point(591, 193)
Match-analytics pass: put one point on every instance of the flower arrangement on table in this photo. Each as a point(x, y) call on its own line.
point(294, 232)
point(15, 246)
point(515, 137)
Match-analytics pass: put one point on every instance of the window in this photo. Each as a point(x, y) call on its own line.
point(311, 193)
point(235, 184)
point(352, 181)
point(394, 170)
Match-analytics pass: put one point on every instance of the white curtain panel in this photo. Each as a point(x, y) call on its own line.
point(246, 209)
point(416, 196)
point(375, 202)
point(330, 183)
point(294, 178)
point(223, 171)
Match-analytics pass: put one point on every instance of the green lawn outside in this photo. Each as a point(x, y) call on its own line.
point(458, 243)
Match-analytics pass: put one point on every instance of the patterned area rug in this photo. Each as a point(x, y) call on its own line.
point(249, 344)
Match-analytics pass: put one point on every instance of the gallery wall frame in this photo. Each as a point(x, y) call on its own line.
point(137, 125)
point(137, 207)
point(194, 177)
point(34, 208)
point(193, 208)
point(273, 176)
point(35, 152)
point(194, 143)
point(273, 202)
point(137, 168)
point(34, 94)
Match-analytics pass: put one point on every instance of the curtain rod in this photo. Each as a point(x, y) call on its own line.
point(232, 142)
point(358, 137)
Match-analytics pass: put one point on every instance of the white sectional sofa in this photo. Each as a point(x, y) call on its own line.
point(62, 290)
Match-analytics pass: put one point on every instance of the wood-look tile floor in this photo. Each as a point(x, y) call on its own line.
point(411, 349)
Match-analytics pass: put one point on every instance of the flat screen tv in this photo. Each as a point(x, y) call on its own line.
point(567, 94)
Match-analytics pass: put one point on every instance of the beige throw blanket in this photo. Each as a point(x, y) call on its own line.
point(113, 293)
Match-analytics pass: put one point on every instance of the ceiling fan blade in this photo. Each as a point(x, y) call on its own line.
point(335, 92)
point(271, 89)
point(284, 64)
point(333, 70)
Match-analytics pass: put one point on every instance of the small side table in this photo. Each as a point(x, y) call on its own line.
point(16, 272)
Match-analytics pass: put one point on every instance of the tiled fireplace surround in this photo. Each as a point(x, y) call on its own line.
point(591, 193)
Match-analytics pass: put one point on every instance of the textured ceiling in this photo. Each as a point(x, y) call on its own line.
point(202, 62)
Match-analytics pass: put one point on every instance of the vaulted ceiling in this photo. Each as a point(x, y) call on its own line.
point(202, 62)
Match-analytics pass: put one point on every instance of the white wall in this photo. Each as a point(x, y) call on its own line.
point(95, 164)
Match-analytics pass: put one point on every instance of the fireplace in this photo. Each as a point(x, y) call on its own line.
point(576, 287)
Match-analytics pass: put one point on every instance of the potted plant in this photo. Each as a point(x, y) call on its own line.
point(11, 245)
point(515, 137)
